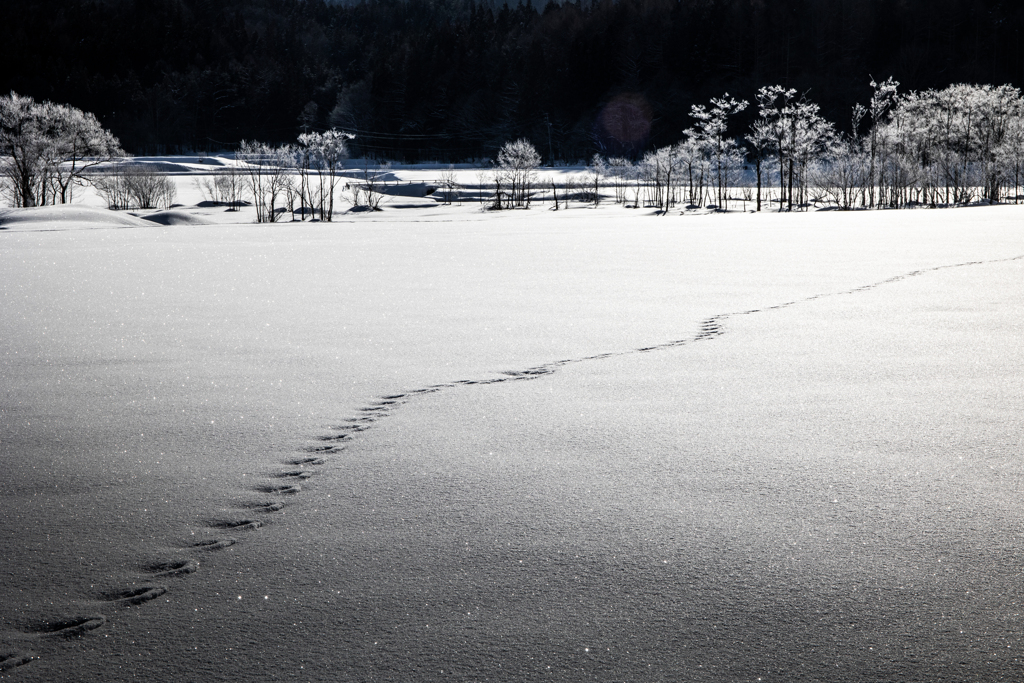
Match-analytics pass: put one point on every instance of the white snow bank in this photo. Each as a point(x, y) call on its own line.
point(65, 217)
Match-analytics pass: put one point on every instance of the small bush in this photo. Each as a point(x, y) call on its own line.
point(132, 186)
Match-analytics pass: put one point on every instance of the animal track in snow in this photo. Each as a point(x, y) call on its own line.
point(68, 628)
point(710, 328)
point(171, 568)
point(311, 461)
point(297, 475)
point(361, 426)
point(279, 489)
point(214, 544)
point(133, 596)
point(12, 660)
point(366, 418)
point(325, 450)
point(274, 506)
point(236, 525)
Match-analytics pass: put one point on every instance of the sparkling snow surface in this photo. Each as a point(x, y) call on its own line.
point(439, 444)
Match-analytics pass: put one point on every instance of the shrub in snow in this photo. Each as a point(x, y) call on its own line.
point(368, 194)
point(132, 186)
point(226, 187)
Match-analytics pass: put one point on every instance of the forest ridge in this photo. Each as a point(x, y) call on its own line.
point(454, 79)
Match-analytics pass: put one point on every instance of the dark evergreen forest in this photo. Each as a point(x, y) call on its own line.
point(453, 79)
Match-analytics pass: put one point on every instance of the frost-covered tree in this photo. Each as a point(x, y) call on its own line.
point(810, 138)
point(962, 140)
point(659, 170)
point(320, 157)
point(266, 169)
point(774, 104)
point(23, 142)
point(723, 153)
point(46, 148)
point(79, 144)
point(841, 173)
point(517, 164)
point(883, 98)
point(762, 144)
point(1009, 155)
point(694, 170)
point(795, 132)
point(621, 171)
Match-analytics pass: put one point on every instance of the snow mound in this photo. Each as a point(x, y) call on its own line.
point(175, 218)
point(139, 165)
point(66, 217)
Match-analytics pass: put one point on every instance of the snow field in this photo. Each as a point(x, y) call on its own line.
point(446, 444)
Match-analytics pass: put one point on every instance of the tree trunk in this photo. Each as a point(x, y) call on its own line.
point(789, 188)
point(757, 171)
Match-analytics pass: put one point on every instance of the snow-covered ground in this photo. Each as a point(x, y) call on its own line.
point(438, 443)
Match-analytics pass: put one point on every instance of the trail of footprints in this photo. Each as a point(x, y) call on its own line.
point(288, 482)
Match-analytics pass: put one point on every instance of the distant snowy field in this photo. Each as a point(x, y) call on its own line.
point(441, 443)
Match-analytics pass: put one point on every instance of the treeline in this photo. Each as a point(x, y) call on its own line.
point(955, 146)
point(450, 80)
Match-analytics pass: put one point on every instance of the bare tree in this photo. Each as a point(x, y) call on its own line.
point(129, 185)
point(369, 193)
point(449, 185)
point(226, 187)
point(266, 170)
point(113, 188)
point(597, 171)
